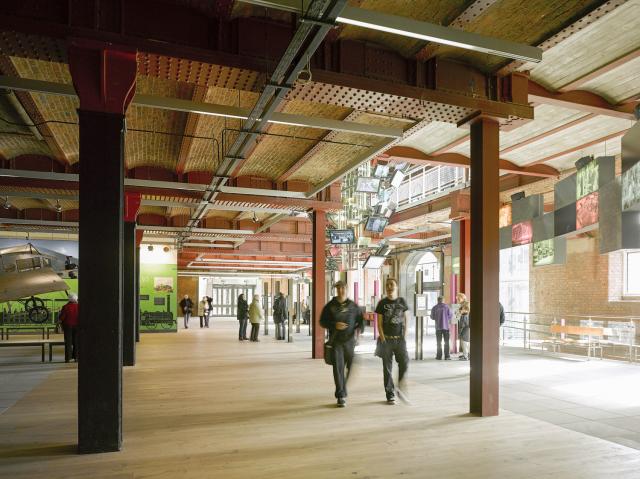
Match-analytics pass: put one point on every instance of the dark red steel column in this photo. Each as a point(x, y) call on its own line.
point(129, 321)
point(484, 267)
point(104, 79)
point(318, 284)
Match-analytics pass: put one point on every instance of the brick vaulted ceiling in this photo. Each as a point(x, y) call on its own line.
point(223, 52)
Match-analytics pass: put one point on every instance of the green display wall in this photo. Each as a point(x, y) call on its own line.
point(158, 284)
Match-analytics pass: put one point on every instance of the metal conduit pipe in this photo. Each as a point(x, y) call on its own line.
point(285, 74)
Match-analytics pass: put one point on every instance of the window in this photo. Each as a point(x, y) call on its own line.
point(632, 273)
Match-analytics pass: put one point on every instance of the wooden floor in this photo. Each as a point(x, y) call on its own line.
point(201, 405)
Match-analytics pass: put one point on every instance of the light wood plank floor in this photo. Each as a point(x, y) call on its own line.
point(201, 405)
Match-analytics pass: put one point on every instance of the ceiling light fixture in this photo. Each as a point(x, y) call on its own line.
point(6, 204)
point(430, 32)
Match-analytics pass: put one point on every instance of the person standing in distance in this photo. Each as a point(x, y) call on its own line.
point(392, 317)
point(242, 315)
point(342, 317)
point(441, 314)
point(187, 305)
point(68, 317)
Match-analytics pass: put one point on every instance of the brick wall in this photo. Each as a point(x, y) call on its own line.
point(589, 283)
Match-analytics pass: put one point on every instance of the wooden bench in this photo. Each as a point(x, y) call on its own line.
point(46, 330)
point(592, 344)
point(42, 343)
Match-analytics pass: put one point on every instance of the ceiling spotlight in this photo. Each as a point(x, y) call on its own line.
point(150, 247)
point(166, 249)
point(58, 206)
point(6, 204)
point(254, 218)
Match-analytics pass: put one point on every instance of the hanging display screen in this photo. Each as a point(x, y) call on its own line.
point(631, 188)
point(564, 220)
point(587, 210)
point(543, 252)
point(374, 262)
point(342, 236)
point(376, 224)
point(587, 180)
point(367, 184)
point(522, 233)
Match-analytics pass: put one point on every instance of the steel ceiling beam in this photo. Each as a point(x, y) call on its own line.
point(429, 32)
point(189, 106)
point(306, 39)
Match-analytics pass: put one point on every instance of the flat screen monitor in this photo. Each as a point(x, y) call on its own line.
point(367, 184)
point(342, 236)
point(374, 262)
point(397, 178)
point(376, 224)
point(381, 171)
point(587, 210)
point(522, 233)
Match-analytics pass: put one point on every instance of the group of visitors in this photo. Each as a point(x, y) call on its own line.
point(344, 321)
point(203, 310)
point(441, 314)
point(254, 314)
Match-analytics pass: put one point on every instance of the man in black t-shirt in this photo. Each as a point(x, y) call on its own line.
point(392, 328)
point(342, 317)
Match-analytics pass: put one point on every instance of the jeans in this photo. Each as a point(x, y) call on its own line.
point(186, 320)
point(242, 329)
point(343, 357)
point(280, 330)
point(464, 345)
point(255, 328)
point(440, 335)
point(70, 343)
point(389, 349)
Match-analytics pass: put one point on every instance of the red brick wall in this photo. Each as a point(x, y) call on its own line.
point(589, 283)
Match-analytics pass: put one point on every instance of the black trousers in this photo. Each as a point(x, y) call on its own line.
point(343, 358)
point(242, 329)
point(70, 343)
point(203, 321)
point(389, 349)
point(186, 320)
point(255, 328)
point(440, 335)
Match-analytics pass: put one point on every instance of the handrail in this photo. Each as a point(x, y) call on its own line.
point(586, 316)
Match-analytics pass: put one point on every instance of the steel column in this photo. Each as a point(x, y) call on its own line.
point(128, 295)
point(484, 266)
point(318, 285)
point(105, 81)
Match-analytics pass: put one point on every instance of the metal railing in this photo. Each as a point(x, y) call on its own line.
point(614, 337)
point(425, 181)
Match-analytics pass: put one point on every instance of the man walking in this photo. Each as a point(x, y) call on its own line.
point(187, 306)
point(342, 317)
point(441, 314)
point(392, 317)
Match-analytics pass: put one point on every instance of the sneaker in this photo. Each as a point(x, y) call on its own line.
point(391, 400)
point(462, 358)
point(447, 358)
point(342, 402)
point(439, 359)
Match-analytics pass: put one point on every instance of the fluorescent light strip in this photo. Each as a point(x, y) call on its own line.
point(430, 32)
point(250, 261)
